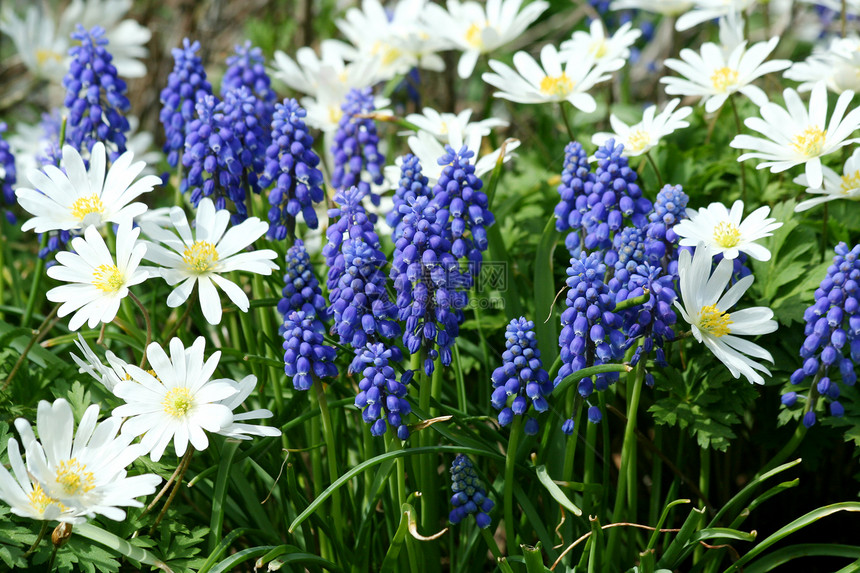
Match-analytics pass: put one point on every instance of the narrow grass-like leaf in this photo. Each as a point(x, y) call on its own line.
point(216, 520)
point(378, 460)
point(586, 372)
point(793, 527)
point(555, 491)
point(222, 547)
point(120, 545)
point(674, 553)
point(741, 497)
point(722, 533)
point(533, 558)
point(240, 557)
point(782, 556)
point(663, 516)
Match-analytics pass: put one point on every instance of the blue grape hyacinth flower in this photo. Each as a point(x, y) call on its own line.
point(292, 165)
point(356, 146)
point(301, 288)
point(305, 354)
point(95, 95)
point(185, 85)
point(470, 496)
point(521, 382)
point(412, 183)
point(381, 397)
point(7, 176)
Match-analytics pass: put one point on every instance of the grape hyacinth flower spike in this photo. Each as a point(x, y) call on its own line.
point(470, 496)
point(356, 146)
point(292, 165)
point(521, 382)
point(301, 288)
point(306, 356)
point(381, 397)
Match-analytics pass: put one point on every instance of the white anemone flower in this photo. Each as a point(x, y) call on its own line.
point(704, 303)
point(704, 10)
point(428, 150)
point(240, 430)
point(98, 283)
point(400, 40)
point(25, 496)
point(200, 255)
point(795, 136)
point(179, 403)
point(84, 471)
point(81, 197)
point(715, 76)
point(665, 7)
point(439, 125)
point(476, 29)
point(556, 79)
point(109, 376)
point(35, 36)
point(837, 64)
point(726, 231)
point(846, 186)
point(645, 135)
point(611, 52)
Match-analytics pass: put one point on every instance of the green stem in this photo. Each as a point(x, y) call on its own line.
point(704, 486)
point(654, 167)
point(510, 463)
point(148, 326)
point(494, 549)
point(743, 171)
point(37, 281)
point(39, 539)
point(331, 457)
point(566, 122)
point(628, 460)
point(570, 449)
point(38, 335)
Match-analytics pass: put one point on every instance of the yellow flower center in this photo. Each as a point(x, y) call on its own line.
point(810, 141)
point(87, 206)
point(850, 182)
point(638, 140)
point(387, 53)
point(334, 113)
point(473, 35)
point(714, 321)
point(178, 402)
point(43, 55)
point(200, 257)
point(724, 78)
point(108, 278)
point(40, 501)
point(727, 234)
point(598, 48)
point(558, 86)
point(74, 478)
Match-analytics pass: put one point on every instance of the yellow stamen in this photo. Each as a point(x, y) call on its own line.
point(714, 321)
point(473, 35)
point(108, 278)
point(638, 140)
point(810, 141)
point(87, 206)
point(387, 53)
point(40, 501)
point(727, 234)
point(850, 182)
point(598, 48)
point(559, 86)
point(200, 257)
point(178, 402)
point(724, 78)
point(74, 478)
point(43, 55)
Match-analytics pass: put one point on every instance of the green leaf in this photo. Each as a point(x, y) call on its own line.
point(555, 491)
point(119, 545)
point(785, 554)
point(546, 325)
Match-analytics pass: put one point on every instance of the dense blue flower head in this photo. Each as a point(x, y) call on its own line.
point(185, 84)
point(576, 183)
point(7, 175)
point(247, 67)
point(301, 287)
point(590, 332)
point(292, 165)
point(470, 496)
point(305, 354)
point(412, 183)
point(431, 289)
point(254, 133)
point(833, 332)
point(356, 145)
point(521, 381)
point(95, 95)
point(670, 208)
point(359, 301)
point(381, 397)
point(629, 246)
point(350, 220)
point(212, 160)
point(653, 320)
point(462, 208)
